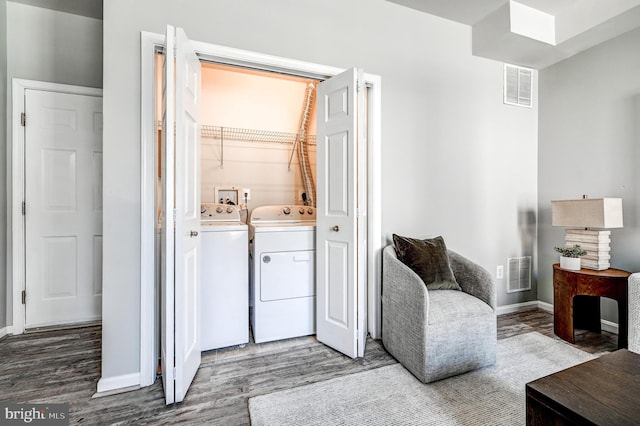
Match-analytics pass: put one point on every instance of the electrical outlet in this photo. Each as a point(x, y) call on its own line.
point(500, 272)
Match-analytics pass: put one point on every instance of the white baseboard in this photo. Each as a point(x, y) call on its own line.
point(609, 326)
point(545, 306)
point(117, 384)
point(517, 307)
point(5, 331)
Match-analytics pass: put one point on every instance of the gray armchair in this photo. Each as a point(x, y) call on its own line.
point(439, 333)
point(634, 313)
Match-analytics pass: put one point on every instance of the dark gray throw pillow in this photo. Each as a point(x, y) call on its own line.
point(429, 259)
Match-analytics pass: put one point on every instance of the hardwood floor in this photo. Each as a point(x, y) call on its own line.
point(542, 322)
point(64, 367)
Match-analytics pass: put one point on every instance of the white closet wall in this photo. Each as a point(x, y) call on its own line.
point(237, 98)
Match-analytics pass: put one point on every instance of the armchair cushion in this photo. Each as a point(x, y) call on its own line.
point(429, 259)
point(448, 307)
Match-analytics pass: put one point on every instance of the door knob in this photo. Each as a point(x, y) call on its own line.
point(336, 228)
point(193, 234)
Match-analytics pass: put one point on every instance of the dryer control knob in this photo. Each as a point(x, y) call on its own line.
point(310, 211)
point(229, 209)
point(218, 209)
point(301, 211)
point(286, 210)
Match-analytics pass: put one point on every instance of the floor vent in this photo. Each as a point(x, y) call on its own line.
point(518, 274)
point(517, 85)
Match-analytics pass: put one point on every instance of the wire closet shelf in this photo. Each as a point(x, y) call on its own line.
point(251, 135)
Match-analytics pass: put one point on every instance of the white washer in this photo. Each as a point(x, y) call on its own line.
point(282, 273)
point(224, 298)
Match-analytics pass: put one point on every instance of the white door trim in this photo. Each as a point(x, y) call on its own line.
point(150, 43)
point(15, 224)
point(148, 216)
point(375, 241)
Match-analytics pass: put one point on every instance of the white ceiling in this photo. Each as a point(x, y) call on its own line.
point(535, 33)
point(552, 7)
point(531, 33)
point(465, 11)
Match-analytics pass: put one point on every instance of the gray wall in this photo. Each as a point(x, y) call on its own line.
point(50, 46)
point(54, 46)
point(456, 161)
point(3, 168)
point(589, 130)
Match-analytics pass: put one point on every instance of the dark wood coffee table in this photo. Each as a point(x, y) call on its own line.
point(603, 391)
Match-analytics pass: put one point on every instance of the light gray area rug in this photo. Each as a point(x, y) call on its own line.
point(392, 396)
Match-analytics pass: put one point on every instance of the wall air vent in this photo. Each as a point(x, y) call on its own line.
point(518, 274)
point(517, 85)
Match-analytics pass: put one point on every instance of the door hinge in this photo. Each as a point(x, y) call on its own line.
point(24, 208)
point(357, 85)
point(174, 372)
point(23, 119)
point(24, 297)
point(175, 215)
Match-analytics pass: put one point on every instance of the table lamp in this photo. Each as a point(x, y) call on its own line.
point(586, 213)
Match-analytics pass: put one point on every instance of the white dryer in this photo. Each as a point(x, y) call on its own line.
point(224, 296)
point(282, 272)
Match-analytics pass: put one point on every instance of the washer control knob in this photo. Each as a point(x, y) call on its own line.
point(218, 209)
point(310, 211)
point(229, 210)
point(286, 210)
point(301, 210)
point(266, 259)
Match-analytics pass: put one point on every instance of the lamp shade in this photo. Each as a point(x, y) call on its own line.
point(587, 213)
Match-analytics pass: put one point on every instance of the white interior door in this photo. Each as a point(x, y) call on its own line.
point(63, 208)
point(340, 284)
point(188, 254)
point(181, 217)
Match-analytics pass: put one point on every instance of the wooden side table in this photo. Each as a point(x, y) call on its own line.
point(576, 300)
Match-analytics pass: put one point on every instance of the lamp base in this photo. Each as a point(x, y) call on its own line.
point(597, 244)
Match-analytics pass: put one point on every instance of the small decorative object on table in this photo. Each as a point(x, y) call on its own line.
point(570, 257)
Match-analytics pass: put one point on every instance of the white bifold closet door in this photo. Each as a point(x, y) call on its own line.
point(341, 214)
point(180, 270)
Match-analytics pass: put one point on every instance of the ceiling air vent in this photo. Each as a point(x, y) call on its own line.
point(517, 85)
point(518, 274)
